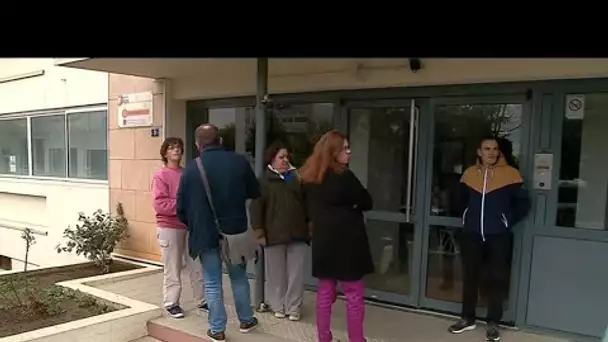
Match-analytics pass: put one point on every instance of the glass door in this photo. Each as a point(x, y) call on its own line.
point(457, 127)
point(383, 137)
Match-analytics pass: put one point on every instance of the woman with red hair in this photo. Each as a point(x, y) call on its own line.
point(336, 200)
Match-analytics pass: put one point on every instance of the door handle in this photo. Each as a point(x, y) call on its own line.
point(410, 161)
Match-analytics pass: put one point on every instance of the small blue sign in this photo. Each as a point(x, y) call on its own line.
point(155, 132)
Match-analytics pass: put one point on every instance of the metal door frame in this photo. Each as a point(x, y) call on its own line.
point(417, 176)
point(547, 137)
point(544, 135)
point(455, 223)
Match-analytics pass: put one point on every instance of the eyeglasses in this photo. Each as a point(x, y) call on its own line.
point(174, 147)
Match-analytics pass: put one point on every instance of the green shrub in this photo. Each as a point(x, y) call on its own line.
point(96, 236)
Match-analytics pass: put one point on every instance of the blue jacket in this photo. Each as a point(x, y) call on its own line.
point(493, 198)
point(232, 182)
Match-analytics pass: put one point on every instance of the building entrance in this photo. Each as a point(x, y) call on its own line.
point(410, 154)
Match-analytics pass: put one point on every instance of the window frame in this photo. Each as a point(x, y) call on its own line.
point(82, 110)
point(551, 108)
point(53, 112)
point(31, 142)
point(27, 130)
point(560, 119)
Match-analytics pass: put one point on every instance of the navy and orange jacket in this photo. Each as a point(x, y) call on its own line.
point(493, 198)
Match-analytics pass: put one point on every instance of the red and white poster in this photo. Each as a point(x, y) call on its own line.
point(135, 110)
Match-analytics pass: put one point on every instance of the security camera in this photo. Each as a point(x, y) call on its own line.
point(266, 100)
point(415, 64)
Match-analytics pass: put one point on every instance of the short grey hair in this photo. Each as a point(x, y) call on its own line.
point(206, 135)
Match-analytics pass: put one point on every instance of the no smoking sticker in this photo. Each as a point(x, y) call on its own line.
point(575, 107)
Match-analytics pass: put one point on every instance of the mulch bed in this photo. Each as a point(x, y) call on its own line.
point(13, 321)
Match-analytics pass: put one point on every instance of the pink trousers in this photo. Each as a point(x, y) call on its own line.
point(355, 308)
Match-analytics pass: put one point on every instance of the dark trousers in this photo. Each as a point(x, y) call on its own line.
point(497, 249)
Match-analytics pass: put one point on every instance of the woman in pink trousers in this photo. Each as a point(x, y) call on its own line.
point(336, 200)
point(172, 234)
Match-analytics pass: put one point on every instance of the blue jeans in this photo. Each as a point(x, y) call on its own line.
point(214, 291)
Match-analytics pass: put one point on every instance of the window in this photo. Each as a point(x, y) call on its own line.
point(49, 157)
point(234, 124)
point(300, 126)
point(379, 139)
point(583, 179)
point(458, 129)
point(72, 144)
point(6, 263)
point(13, 147)
point(87, 142)
point(457, 133)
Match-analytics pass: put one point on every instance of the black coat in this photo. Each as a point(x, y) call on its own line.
point(340, 246)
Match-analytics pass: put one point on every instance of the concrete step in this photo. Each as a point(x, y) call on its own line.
point(193, 328)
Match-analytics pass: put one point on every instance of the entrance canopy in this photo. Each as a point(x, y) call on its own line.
point(159, 68)
point(214, 78)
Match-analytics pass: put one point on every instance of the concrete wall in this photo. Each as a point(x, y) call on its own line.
point(175, 126)
point(58, 87)
point(48, 205)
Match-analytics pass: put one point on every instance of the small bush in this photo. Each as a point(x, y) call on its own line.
point(96, 236)
point(52, 298)
point(15, 289)
point(23, 294)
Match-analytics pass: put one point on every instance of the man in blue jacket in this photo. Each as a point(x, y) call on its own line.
point(232, 182)
point(493, 199)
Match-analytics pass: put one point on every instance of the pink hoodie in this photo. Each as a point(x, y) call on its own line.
point(164, 188)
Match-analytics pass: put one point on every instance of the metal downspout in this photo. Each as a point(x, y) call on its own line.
point(260, 144)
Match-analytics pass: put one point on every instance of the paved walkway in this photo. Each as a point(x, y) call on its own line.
point(381, 324)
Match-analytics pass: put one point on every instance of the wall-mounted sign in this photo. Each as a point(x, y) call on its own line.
point(135, 110)
point(575, 107)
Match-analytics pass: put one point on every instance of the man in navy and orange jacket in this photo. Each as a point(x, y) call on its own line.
point(493, 200)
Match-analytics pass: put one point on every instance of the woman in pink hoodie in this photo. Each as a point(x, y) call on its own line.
point(172, 234)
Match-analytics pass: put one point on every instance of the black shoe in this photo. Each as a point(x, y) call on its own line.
point(461, 326)
point(492, 332)
point(217, 337)
point(175, 311)
point(203, 307)
point(247, 327)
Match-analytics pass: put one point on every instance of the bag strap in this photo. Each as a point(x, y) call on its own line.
point(201, 170)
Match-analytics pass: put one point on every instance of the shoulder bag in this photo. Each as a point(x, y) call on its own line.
point(234, 248)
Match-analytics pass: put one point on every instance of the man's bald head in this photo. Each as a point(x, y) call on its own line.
point(206, 135)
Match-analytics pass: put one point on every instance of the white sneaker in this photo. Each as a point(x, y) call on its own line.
point(294, 317)
point(279, 314)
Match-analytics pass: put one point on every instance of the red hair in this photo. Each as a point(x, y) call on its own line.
point(323, 158)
